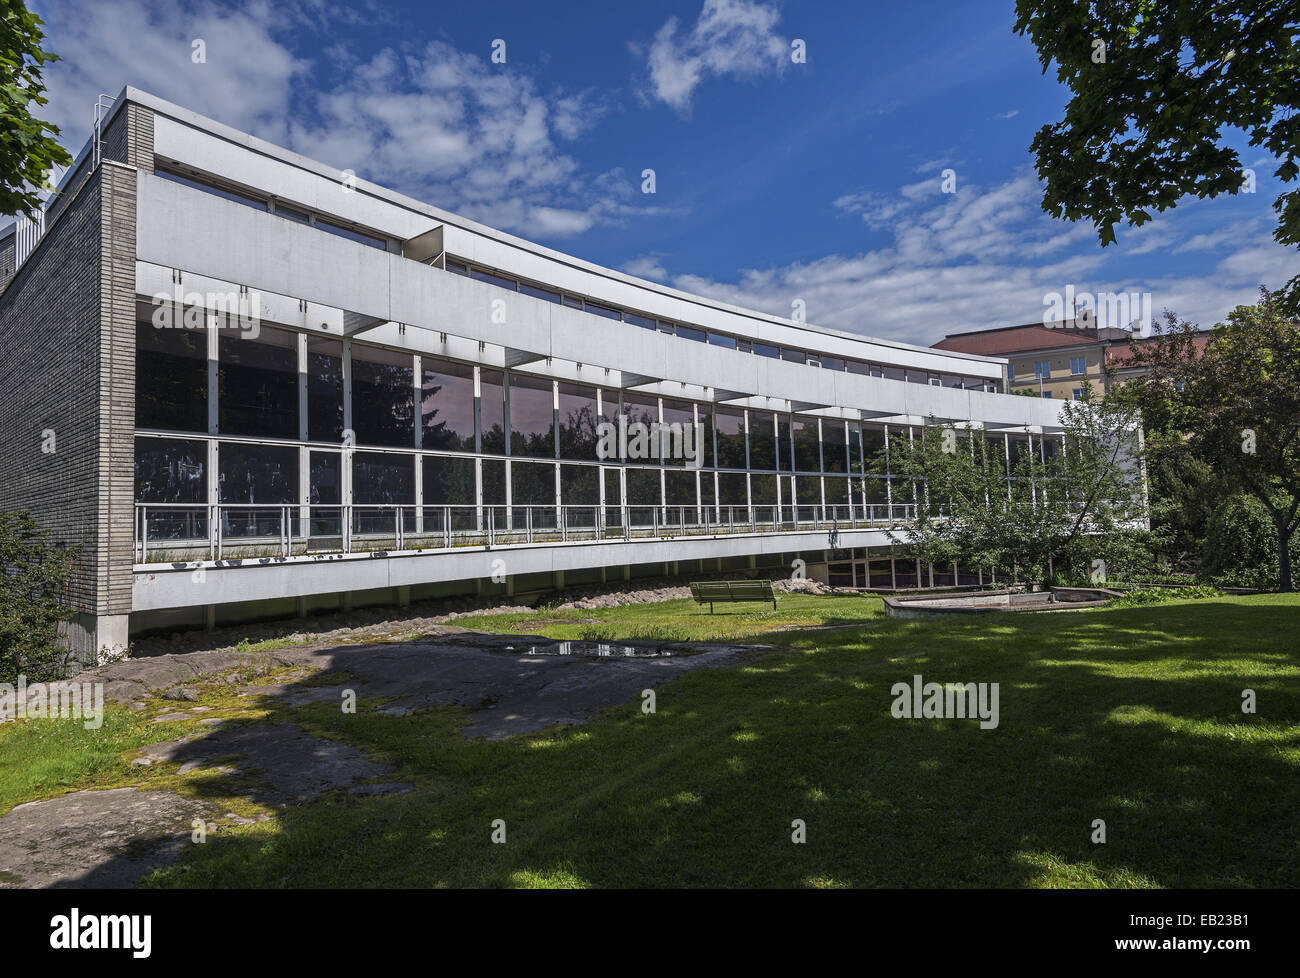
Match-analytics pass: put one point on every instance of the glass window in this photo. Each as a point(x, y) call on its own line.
point(678, 441)
point(718, 339)
point(532, 417)
point(537, 292)
point(448, 480)
point(833, 446)
point(573, 301)
point(351, 235)
point(733, 489)
point(806, 445)
point(763, 350)
point(383, 478)
point(383, 398)
point(643, 487)
point(169, 470)
point(609, 312)
point(258, 383)
point(762, 440)
point(578, 422)
point(171, 370)
point(446, 405)
point(645, 322)
point(579, 485)
point(238, 197)
point(641, 410)
point(265, 474)
point(532, 484)
point(679, 489)
point(324, 389)
point(494, 481)
point(492, 413)
point(763, 490)
point(744, 346)
point(1011, 371)
point(1042, 368)
point(794, 356)
point(326, 479)
point(784, 454)
point(1078, 366)
point(690, 333)
point(730, 424)
point(889, 372)
point(1077, 393)
point(483, 275)
point(457, 267)
point(292, 213)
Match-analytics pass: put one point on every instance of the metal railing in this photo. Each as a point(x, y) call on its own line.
point(175, 532)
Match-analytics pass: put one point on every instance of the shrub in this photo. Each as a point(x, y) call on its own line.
point(1240, 546)
point(34, 577)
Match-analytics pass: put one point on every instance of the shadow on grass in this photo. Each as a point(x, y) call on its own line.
point(1130, 716)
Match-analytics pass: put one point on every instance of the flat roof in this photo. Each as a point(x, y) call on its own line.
point(260, 146)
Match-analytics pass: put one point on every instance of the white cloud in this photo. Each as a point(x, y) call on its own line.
point(434, 122)
point(989, 257)
point(647, 266)
point(246, 81)
point(1009, 114)
point(730, 37)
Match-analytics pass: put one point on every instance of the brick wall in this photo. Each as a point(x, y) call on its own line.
point(8, 241)
point(49, 385)
point(67, 386)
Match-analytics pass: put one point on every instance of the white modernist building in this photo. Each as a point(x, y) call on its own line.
point(309, 391)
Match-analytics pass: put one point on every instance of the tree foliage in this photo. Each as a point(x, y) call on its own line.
point(1039, 513)
point(1159, 87)
point(29, 148)
point(34, 577)
point(1236, 407)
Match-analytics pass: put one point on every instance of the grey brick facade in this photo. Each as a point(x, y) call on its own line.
point(66, 444)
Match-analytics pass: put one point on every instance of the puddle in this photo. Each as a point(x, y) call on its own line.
point(594, 650)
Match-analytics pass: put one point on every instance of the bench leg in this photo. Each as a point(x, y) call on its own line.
point(710, 607)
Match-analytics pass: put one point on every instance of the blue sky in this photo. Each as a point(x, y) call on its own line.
point(775, 181)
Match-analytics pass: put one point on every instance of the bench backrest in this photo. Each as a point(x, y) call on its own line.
point(731, 590)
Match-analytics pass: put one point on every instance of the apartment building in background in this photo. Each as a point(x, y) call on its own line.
point(1054, 361)
point(247, 385)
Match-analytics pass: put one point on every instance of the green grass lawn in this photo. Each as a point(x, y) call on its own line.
point(1131, 716)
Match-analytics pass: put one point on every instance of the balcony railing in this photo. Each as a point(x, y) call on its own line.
point(176, 532)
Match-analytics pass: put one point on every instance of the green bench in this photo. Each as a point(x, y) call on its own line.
point(720, 592)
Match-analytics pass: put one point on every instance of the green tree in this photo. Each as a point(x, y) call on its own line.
point(1237, 406)
point(29, 148)
point(1156, 88)
point(34, 577)
point(1042, 511)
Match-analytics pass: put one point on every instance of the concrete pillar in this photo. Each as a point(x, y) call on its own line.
point(404, 596)
point(95, 639)
point(210, 615)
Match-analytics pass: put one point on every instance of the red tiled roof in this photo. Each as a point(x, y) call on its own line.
point(1016, 339)
point(1119, 354)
